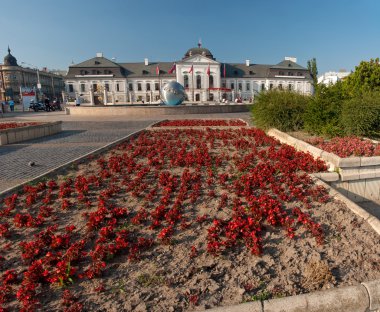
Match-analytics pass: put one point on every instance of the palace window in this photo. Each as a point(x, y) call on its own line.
point(82, 87)
point(271, 86)
point(107, 86)
point(71, 88)
point(263, 86)
point(139, 86)
point(117, 87)
point(148, 87)
point(289, 87)
point(290, 73)
point(247, 86)
point(130, 87)
point(211, 81)
point(199, 82)
point(240, 86)
point(95, 87)
point(280, 86)
point(186, 81)
point(299, 74)
point(156, 86)
point(223, 84)
point(232, 85)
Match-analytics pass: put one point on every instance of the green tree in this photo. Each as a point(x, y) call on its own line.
point(365, 78)
point(312, 67)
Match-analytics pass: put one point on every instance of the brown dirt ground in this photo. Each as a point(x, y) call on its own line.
point(168, 279)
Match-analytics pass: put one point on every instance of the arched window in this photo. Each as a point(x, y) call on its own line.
point(211, 81)
point(186, 81)
point(199, 82)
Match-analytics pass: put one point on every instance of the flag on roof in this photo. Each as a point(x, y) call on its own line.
point(157, 70)
point(173, 69)
point(208, 70)
point(191, 69)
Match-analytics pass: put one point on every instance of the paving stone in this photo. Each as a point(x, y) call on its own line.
point(76, 139)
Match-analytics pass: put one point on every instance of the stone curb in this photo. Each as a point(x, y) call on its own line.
point(21, 134)
point(56, 170)
point(359, 298)
point(328, 157)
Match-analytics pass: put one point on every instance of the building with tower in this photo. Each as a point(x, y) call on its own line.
point(100, 81)
point(14, 78)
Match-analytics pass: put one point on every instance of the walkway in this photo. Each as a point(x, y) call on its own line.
point(76, 139)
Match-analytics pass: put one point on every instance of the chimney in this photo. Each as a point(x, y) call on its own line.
point(247, 63)
point(291, 58)
point(146, 62)
point(99, 54)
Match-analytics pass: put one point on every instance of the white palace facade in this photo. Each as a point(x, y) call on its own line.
point(100, 81)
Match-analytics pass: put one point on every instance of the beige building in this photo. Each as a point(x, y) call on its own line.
point(13, 77)
point(100, 81)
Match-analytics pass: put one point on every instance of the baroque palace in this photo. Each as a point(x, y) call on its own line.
point(99, 80)
point(15, 79)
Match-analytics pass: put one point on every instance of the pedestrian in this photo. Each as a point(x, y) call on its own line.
point(11, 105)
point(47, 104)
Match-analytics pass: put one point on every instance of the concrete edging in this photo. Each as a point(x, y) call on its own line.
point(363, 297)
point(112, 110)
point(20, 134)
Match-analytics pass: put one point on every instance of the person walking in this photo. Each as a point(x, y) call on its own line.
point(11, 105)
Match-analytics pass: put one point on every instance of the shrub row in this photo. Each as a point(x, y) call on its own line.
point(330, 112)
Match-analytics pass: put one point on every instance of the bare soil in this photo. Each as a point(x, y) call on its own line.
point(168, 278)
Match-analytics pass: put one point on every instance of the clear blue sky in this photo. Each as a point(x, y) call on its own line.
point(338, 33)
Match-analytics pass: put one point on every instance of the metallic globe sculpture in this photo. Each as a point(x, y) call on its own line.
point(173, 93)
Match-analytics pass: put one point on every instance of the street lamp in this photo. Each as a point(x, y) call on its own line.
point(38, 77)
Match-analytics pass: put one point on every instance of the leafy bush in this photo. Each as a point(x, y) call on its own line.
point(361, 115)
point(365, 78)
point(322, 115)
point(279, 109)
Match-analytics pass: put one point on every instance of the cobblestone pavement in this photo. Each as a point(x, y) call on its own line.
point(76, 139)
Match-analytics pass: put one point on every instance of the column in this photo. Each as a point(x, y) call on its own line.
point(91, 97)
point(113, 98)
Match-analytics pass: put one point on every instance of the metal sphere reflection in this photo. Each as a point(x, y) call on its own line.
point(173, 93)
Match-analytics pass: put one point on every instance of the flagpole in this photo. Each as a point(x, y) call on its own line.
point(192, 78)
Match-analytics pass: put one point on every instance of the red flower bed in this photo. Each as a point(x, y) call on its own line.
point(347, 146)
point(10, 125)
point(155, 203)
point(202, 123)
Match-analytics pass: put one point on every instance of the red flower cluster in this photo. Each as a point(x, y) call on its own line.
point(347, 146)
point(202, 123)
point(11, 125)
point(148, 192)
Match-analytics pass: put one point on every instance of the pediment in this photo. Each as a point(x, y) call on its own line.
point(198, 59)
